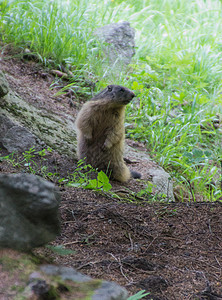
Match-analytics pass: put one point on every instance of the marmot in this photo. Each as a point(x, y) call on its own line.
point(101, 132)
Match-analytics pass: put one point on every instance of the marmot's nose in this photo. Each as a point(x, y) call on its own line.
point(132, 94)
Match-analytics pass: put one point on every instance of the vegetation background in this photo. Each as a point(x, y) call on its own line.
point(176, 72)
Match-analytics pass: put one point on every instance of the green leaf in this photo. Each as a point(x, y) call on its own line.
point(61, 250)
point(102, 177)
point(93, 184)
point(138, 295)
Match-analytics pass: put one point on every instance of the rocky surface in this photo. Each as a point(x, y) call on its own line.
point(28, 211)
point(36, 125)
point(119, 43)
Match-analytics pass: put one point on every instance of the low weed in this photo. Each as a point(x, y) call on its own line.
point(60, 250)
point(138, 296)
point(179, 131)
point(85, 176)
point(32, 161)
point(82, 177)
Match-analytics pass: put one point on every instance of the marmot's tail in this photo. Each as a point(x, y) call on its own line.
point(135, 174)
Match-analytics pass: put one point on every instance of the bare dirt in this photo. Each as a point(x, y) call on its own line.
point(172, 250)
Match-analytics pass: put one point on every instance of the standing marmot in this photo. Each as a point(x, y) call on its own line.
point(101, 132)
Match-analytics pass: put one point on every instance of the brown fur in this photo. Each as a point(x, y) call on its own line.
point(101, 132)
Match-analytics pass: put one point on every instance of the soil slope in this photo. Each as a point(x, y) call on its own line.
point(173, 251)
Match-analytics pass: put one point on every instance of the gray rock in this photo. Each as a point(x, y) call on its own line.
point(65, 273)
point(110, 291)
point(28, 211)
point(4, 88)
point(107, 290)
point(163, 183)
point(58, 132)
point(18, 139)
point(119, 44)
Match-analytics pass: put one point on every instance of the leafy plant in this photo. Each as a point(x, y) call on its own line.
point(138, 295)
point(28, 161)
point(101, 182)
point(82, 178)
point(60, 250)
point(11, 158)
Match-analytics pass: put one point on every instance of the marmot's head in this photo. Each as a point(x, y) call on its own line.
point(116, 94)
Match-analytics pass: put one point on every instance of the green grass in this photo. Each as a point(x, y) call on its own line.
point(176, 72)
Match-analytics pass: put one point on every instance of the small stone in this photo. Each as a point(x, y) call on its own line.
point(110, 291)
point(34, 276)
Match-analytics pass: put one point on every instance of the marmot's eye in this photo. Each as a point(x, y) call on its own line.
point(109, 88)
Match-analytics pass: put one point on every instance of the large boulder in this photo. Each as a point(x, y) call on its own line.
point(28, 211)
point(118, 43)
point(23, 126)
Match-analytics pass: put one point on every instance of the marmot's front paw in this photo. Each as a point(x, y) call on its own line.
point(107, 145)
point(88, 135)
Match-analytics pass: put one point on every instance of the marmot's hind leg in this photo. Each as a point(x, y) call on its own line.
point(121, 173)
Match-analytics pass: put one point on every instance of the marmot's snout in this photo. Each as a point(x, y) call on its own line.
point(131, 95)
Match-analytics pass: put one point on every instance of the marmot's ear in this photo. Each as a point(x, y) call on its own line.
point(109, 87)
